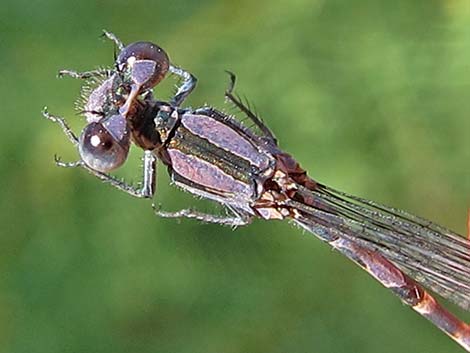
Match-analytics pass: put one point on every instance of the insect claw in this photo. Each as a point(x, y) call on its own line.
point(57, 159)
point(61, 73)
point(45, 113)
point(231, 84)
point(48, 116)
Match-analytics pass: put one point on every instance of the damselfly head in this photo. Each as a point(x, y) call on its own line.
point(101, 97)
point(145, 63)
point(104, 145)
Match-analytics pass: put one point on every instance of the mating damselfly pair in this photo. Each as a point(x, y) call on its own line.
point(215, 156)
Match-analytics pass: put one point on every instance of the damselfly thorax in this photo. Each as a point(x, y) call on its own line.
point(211, 154)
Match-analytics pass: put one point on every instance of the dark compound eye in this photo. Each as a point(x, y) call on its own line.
point(104, 145)
point(147, 62)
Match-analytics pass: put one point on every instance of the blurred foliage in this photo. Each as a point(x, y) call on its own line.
point(372, 97)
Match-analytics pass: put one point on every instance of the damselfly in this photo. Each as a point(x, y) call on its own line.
point(213, 155)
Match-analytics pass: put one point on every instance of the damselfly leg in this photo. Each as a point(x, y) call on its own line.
point(235, 100)
point(239, 218)
point(63, 124)
point(111, 36)
point(85, 75)
point(186, 87)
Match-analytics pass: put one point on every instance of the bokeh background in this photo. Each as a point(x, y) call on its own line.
point(372, 97)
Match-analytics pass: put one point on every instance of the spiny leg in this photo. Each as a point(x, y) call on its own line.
point(246, 110)
point(93, 73)
point(189, 82)
point(148, 184)
point(107, 178)
point(239, 219)
point(148, 180)
point(149, 168)
point(84, 75)
point(149, 174)
point(111, 36)
point(63, 124)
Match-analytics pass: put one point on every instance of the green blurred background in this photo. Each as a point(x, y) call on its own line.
point(372, 97)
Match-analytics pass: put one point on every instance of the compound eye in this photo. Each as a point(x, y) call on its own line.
point(104, 145)
point(147, 63)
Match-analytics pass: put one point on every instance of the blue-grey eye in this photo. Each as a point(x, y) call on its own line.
point(104, 145)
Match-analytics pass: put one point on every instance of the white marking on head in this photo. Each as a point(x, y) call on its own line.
point(95, 140)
